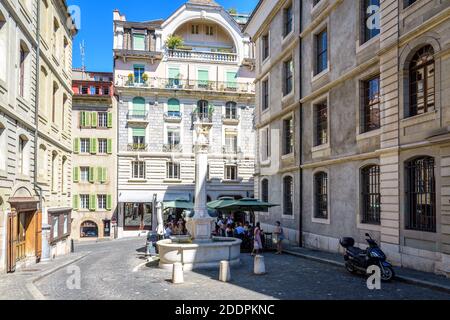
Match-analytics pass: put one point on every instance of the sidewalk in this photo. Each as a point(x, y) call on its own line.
point(20, 284)
point(424, 279)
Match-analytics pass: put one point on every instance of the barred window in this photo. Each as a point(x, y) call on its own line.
point(265, 190)
point(321, 195)
point(321, 119)
point(421, 82)
point(288, 196)
point(420, 195)
point(370, 194)
point(370, 111)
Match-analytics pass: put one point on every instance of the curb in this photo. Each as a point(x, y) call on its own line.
point(404, 279)
point(30, 284)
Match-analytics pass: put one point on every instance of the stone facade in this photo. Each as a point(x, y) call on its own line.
point(156, 114)
point(94, 170)
point(25, 196)
point(403, 137)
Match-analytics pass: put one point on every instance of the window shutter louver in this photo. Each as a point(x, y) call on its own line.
point(104, 175)
point(109, 146)
point(92, 202)
point(76, 202)
point(76, 145)
point(99, 174)
point(91, 175)
point(93, 145)
point(108, 202)
point(94, 119)
point(110, 122)
point(76, 174)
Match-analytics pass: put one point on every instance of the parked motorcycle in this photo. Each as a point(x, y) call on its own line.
point(358, 260)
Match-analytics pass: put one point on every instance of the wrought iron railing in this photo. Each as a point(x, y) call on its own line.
point(171, 147)
point(173, 116)
point(137, 147)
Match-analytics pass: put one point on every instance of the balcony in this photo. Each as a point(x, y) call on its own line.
point(174, 117)
point(137, 147)
point(231, 150)
point(143, 54)
point(172, 148)
point(221, 57)
point(230, 119)
point(200, 117)
point(137, 116)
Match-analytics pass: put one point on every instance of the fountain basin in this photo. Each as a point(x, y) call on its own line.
point(199, 255)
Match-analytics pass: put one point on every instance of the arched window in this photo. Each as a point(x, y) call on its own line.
point(3, 47)
point(203, 109)
point(288, 196)
point(23, 156)
point(63, 111)
point(88, 229)
point(54, 171)
point(265, 190)
point(173, 108)
point(420, 194)
point(138, 108)
point(43, 76)
point(231, 110)
point(44, 19)
point(370, 194)
point(3, 147)
point(63, 174)
point(421, 82)
point(321, 195)
point(23, 69)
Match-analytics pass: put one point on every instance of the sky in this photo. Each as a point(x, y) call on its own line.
point(97, 26)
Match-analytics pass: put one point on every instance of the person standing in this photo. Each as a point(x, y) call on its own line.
point(257, 242)
point(279, 237)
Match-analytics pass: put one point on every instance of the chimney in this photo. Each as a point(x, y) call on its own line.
point(117, 16)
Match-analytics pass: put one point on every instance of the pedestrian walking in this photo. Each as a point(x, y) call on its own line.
point(257, 242)
point(279, 237)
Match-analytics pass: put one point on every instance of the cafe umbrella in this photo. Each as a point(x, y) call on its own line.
point(248, 204)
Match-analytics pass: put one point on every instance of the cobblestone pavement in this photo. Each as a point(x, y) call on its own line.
point(107, 273)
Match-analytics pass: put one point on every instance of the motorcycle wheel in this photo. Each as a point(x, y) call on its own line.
point(350, 268)
point(388, 274)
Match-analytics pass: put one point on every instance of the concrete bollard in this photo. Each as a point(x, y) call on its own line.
point(259, 267)
point(177, 274)
point(225, 273)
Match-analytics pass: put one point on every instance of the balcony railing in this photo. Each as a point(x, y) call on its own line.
point(230, 118)
point(172, 148)
point(202, 117)
point(137, 147)
point(173, 116)
point(137, 115)
point(185, 84)
point(202, 56)
point(231, 150)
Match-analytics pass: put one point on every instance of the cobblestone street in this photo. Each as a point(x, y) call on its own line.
point(110, 271)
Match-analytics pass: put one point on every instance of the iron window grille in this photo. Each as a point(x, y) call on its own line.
point(421, 82)
point(370, 113)
point(370, 195)
point(421, 195)
point(321, 124)
point(321, 195)
point(288, 195)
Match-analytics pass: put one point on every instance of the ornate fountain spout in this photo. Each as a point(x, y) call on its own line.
point(199, 226)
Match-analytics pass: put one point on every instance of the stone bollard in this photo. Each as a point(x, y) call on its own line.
point(259, 267)
point(177, 274)
point(225, 273)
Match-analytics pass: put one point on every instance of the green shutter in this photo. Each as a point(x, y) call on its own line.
point(108, 202)
point(92, 202)
point(76, 174)
point(82, 119)
point(110, 122)
point(231, 80)
point(104, 175)
point(93, 144)
point(138, 132)
point(87, 119)
point(173, 105)
point(174, 73)
point(94, 118)
point(91, 175)
point(139, 42)
point(76, 202)
point(139, 106)
point(76, 145)
point(109, 146)
point(203, 77)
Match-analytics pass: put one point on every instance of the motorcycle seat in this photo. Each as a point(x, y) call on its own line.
point(354, 251)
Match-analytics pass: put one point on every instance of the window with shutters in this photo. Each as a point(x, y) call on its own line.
point(102, 146)
point(84, 174)
point(84, 201)
point(173, 108)
point(139, 42)
point(102, 119)
point(101, 201)
point(85, 145)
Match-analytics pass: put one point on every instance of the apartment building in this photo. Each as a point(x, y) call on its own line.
point(373, 77)
point(164, 85)
point(94, 155)
point(26, 201)
point(275, 29)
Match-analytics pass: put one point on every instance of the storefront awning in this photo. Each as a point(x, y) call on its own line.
point(136, 196)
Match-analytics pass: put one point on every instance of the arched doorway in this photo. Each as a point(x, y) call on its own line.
point(88, 229)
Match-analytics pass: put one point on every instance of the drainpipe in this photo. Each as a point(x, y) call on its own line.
point(45, 254)
point(300, 223)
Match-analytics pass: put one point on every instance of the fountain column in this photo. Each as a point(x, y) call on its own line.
point(199, 226)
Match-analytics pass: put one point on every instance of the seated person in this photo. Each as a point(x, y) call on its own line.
point(240, 231)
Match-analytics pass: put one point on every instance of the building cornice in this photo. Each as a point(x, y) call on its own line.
point(320, 18)
point(278, 115)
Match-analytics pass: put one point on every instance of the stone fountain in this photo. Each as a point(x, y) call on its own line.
point(203, 251)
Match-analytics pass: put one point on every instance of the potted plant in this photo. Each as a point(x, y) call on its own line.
point(145, 77)
point(130, 78)
point(174, 41)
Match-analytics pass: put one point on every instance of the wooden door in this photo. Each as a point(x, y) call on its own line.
point(38, 237)
point(11, 241)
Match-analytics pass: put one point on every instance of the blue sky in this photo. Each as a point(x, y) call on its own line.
point(96, 24)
